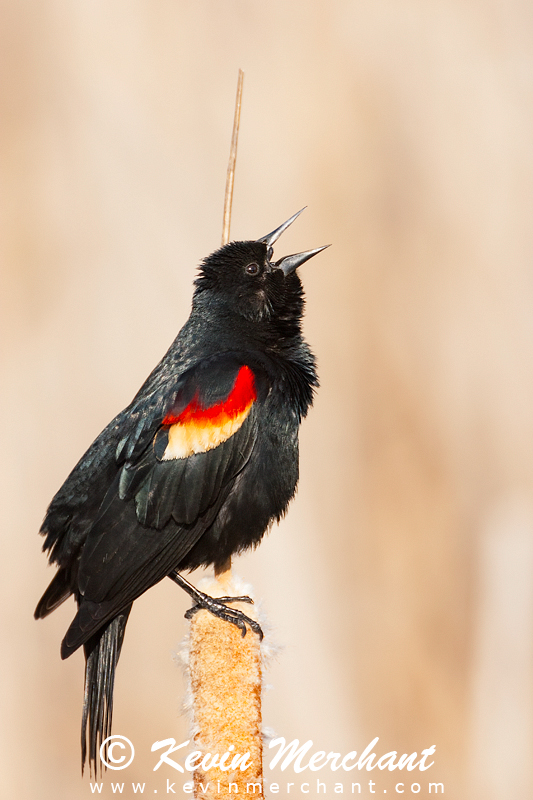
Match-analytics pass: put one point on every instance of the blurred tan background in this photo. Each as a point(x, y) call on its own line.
point(400, 583)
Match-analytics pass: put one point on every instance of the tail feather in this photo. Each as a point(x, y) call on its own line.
point(57, 593)
point(102, 652)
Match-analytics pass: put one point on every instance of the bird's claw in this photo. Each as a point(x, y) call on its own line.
point(244, 599)
point(217, 606)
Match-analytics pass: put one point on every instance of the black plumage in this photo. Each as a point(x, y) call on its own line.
point(194, 470)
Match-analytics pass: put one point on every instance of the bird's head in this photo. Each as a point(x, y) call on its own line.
point(243, 277)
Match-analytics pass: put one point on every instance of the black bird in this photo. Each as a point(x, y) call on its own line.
point(195, 469)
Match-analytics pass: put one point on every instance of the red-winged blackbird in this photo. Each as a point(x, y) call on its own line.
point(195, 469)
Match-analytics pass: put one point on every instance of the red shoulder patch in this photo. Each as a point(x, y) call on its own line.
point(197, 429)
point(238, 400)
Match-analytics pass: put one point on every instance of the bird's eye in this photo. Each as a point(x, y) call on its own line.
point(252, 269)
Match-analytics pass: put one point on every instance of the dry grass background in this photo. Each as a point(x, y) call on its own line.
point(400, 583)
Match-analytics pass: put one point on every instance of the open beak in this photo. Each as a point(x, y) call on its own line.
point(270, 238)
point(289, 263)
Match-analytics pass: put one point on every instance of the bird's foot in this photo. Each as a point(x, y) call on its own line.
point(217, 606)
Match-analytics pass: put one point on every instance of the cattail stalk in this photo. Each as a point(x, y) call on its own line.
point(230, 178)
point(225, 674)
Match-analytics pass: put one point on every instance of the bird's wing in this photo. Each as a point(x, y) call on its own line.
point(166, 494)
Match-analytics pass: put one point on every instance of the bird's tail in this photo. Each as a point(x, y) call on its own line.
point(102, 652)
